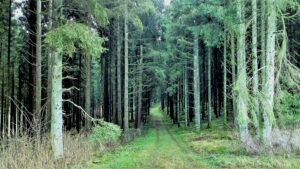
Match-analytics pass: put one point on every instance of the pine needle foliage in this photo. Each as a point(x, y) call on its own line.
point(68, 37)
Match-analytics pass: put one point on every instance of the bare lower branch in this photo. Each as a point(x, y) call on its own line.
point(86, 115)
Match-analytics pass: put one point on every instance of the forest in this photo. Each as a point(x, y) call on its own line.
point(149, 84)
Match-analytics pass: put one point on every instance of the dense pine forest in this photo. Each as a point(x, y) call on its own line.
point(174, 84)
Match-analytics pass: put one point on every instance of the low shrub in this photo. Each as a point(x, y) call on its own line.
point(105, 133)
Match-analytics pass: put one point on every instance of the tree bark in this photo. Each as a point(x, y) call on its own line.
point(114, 71)
point(56, 95)
point(186, 95)
point(2, 126)
point(233, 74)
point(263, 41)
point(225, 79)
point(196, 83)
point(140, 99)
point(269, 85)
point(255, 110)
point(119, 78)
point(126, 122)
point(9, 67)
point(178, 104)
point(32, 59)
point(49, 78)
point(56, 107)
point(38, 78)
point(78, 112)
point(209, 57)
point(87, 91)
point(1, 102)
point(241, 84)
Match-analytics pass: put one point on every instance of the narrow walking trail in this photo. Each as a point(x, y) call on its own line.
point(159, 148)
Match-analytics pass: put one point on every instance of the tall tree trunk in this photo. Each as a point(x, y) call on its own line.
point(225, 79)
point(196, 83)
point(32, 59)
point(209, 57)
point(255, 111)
point(126, 122)
point(87, 90)
point(78, 115)
point(9, 67)
point(38, 78)
point(1, 101)
point(114, 75)
point(241, 84)
point(263, 41)
point(56, 96)
point(178, 104)
point(105, 87)
point(233, 74)
point(2, 127)
point(186, 95)
point(49, 78)
point(171, 102)
point(269, 85)
point(20, 129)
point(119, 68)
point(56, 107)
point(204, 84)
point(162, 98)
point(140, 99)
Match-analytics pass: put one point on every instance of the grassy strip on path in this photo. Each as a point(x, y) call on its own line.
point(167, 147)
point(156, 149)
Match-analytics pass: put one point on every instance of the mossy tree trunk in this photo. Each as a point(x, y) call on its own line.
point(241, 83)
point(263, 41)
point(269, 86)
point(255, 109)
point(233, 75)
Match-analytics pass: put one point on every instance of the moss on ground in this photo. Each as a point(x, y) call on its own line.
point(220, 148)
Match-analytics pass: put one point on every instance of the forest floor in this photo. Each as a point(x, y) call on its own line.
point(164, 146)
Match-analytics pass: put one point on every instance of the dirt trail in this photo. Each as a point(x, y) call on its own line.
point(159, 148)
point(161, 125)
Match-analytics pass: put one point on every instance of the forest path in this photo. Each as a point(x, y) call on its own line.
point(159, 148)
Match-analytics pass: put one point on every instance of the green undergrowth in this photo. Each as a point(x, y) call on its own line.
point(221, 149)
point(164, 146)
point(105, 133)
point(288, 109)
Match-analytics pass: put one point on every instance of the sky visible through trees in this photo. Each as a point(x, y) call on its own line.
point(167, 2)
